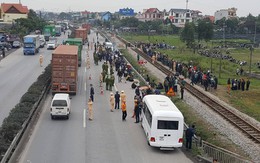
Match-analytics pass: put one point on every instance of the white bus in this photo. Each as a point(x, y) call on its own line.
point(162, 122)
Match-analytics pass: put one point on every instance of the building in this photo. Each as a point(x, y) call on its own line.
point(150, 14)
point(226, 13)
point(126, 13)
point(105, 16)
point(179, 17)
point(11, 11)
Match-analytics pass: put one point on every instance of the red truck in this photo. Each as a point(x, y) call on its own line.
point(87, 26)
point(65, 69)
point(81, 33)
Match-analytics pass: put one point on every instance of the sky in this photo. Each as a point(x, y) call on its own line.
point(207, 7)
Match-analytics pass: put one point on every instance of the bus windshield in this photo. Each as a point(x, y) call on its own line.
point(168, 125)
point(28, 45)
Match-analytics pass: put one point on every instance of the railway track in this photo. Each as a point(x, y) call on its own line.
point(251, 131)
point(248, 129)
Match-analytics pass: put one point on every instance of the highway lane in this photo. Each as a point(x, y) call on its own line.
point(17, 73)
point(105, 139)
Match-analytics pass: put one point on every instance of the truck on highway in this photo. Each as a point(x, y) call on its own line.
point(31, 44)
point(87, 26)
point(79, 43)
point(48, 31)
point(57, 30)
point(65, 69)
point(81, 33)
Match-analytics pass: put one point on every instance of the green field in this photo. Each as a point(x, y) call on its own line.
point(246, 101)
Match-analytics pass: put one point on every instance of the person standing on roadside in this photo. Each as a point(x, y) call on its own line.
point(124, 112)
point(189, 134)
point(137, 112)
point(123, 96)
point(117, 100)
point(41, 60)
point(92, 92)
point(3, 52)
point(112, 102)
point(90, 109)
point(247, 84)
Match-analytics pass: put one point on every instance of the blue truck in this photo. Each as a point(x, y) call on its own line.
point(31, 44)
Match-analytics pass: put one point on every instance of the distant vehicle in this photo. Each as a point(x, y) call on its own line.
point(48, 31)
point(31, 44)
point(64, 70)
point(60, 106)
point(79, 43)
point(162, 122)
point(6, 45)
point(109, 45)
point(16, 44)
point(52, 44)
point(57, 30)
point(81, 33)
point(42, 41)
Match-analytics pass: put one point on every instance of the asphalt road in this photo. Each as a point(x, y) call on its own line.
point(106, 139)
point(17, 73)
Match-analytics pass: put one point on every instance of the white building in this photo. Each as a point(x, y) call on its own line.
point(226, 13)
point(180, 16)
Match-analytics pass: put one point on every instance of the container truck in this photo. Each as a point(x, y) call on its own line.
point(57, 30)
point(65, 69)
point(31, 44)
point(81, 33)
point(87, 26)
point(78, 42)
point(48, 31)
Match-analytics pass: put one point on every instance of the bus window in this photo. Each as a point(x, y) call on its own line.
point(149, 117)
point(168, 125)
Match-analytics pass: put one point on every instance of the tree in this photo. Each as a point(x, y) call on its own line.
point(205, 30)
point(187, 34)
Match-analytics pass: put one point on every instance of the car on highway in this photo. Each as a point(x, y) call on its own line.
point(60, 105)
point(42, 41)
point(16, 44)
point(52, 44)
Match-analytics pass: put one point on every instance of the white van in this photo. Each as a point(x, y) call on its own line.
point(60, 105)
point(162, 122)
point(109, 45)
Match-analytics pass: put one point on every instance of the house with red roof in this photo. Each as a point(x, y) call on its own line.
point(11, 11)
point(150, 14)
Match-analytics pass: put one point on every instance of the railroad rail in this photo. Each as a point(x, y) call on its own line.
point(248, 129)
point(251, 131)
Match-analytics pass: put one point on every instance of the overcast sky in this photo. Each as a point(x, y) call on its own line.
point(207, 7)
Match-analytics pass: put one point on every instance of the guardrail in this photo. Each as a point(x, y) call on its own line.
point(15, 147)
point(223, 156)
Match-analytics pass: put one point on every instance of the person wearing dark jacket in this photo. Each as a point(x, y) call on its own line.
point(189, 134)
point(137, 112)
point(117, 100)
point(92, 92)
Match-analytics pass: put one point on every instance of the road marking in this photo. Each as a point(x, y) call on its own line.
point(84, 118)
point(85, 69)
point(115, 87)
point(85, 86)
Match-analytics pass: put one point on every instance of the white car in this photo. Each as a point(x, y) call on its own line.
point(52, 44)
point(60, 106)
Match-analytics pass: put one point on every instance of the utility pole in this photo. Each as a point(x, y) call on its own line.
point(19, 1)
point(250, 63)
point(255, 33)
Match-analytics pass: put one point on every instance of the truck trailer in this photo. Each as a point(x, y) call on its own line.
point(65, 69)
point(81, 33)
point(31, 44)
point(79, 43)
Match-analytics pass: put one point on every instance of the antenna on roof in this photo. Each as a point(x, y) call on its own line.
point(187, 1)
